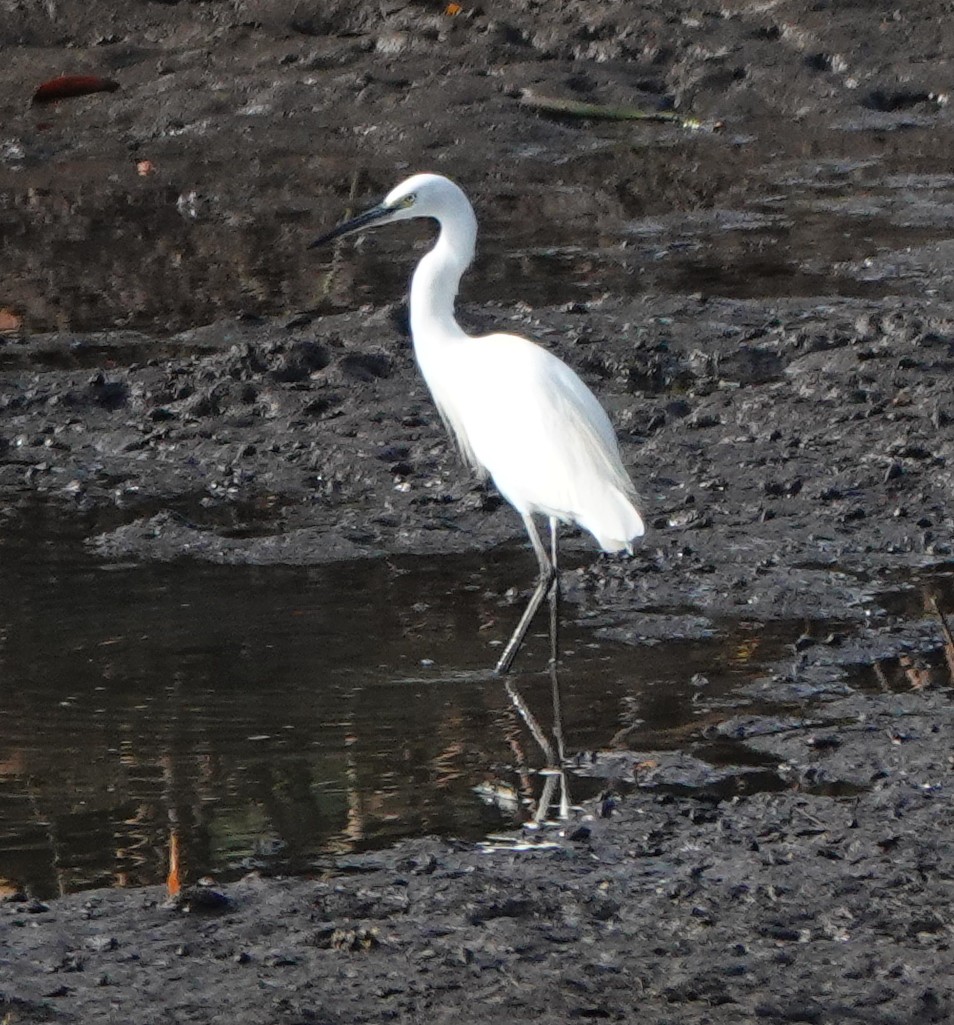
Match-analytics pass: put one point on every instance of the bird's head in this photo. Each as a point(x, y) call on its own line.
point(422, 195)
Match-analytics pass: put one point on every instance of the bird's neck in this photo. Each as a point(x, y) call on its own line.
point(435, 281)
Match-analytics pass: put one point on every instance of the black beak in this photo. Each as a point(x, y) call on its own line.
point(376, 213)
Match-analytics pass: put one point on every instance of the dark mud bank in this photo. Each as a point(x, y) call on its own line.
point(790, 458)
point(782, 907)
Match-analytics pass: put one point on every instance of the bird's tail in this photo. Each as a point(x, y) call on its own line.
point(618, 523)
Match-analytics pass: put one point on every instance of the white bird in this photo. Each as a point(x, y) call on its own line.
point(517, 412)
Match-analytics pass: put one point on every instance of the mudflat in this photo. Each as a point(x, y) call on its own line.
point(758, 287)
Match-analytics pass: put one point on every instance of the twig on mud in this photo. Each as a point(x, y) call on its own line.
point(948, 636)
point(881, 677)
point(325, 289)
point(602, 112)
point(814, 820)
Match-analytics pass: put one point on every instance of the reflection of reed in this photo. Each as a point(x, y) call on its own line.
point(140, 725)
point(48, 825)
point(174, 875)
point(354, 829)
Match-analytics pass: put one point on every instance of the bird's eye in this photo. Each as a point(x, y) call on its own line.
point(409, 200)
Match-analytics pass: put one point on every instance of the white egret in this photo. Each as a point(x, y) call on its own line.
point(517, 412)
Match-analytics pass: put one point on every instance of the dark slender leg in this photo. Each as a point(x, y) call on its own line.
point(555, 639)
point(554, 674)
point(554, 596)
point(548, 585)
point(544, 585)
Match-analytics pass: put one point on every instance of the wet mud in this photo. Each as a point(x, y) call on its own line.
point(763, 303)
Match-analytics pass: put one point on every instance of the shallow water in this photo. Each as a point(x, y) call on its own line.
point(274, 716)
point(850, 213)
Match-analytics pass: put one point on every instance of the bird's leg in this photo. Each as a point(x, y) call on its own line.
point(554, 596)
point(544, 583)
point(564, 803)
point(555, 645)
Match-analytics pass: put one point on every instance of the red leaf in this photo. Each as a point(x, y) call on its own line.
point(73, 85)
point(9, 321)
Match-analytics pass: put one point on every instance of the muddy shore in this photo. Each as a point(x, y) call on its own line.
point(764, 304)
point(787, 907)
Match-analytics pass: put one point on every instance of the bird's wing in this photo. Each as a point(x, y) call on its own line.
point(454, 425)
point(520, 414)
point(586, 428)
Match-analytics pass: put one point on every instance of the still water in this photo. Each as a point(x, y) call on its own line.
point(275, 716)
point(849, 213)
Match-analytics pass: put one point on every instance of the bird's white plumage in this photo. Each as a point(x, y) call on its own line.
point(538, 431)
point(517, 412)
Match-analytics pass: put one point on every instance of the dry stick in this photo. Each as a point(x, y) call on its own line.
point(325, 290)
point(882, 678)
point(948, 636)
point(599, 111)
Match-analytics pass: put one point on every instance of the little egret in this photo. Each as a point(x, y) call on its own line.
point(517, 412)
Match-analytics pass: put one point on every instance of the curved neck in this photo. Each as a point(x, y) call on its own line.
point(435, 281)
